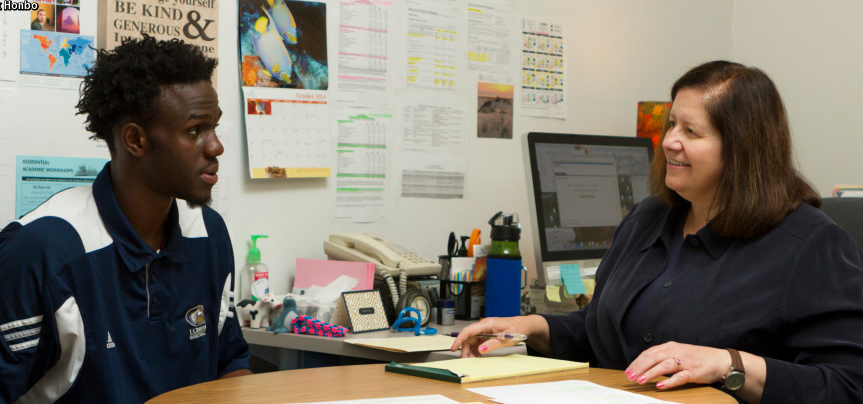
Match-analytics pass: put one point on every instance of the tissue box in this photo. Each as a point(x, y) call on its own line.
point(326, 303)
point(321, 311)
point(333, 313)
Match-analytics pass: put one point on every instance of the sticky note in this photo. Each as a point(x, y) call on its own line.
point(572, 279)
point(589, 285)
point(552, 292)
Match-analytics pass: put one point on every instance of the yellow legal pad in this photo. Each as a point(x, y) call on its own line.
point(469, 370)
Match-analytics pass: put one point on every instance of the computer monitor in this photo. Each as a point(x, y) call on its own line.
point(583, 186)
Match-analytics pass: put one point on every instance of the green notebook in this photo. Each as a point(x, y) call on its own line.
point(468, 370)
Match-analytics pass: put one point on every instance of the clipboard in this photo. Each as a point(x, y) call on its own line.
point(422, 371)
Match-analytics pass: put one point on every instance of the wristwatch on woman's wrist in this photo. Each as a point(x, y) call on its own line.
point(734, 379)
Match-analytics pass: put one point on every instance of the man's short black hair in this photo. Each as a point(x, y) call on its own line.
point(125, 82)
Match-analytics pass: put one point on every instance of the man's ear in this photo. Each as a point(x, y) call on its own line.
point(133, 139)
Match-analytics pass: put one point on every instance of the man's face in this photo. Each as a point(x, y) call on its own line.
point(181, 162)
point(40, 15)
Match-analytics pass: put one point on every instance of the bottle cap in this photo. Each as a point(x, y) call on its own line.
point(254, 252)
point(505, 227)
point(445, 303)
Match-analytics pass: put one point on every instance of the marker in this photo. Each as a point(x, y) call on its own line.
point(508, 336)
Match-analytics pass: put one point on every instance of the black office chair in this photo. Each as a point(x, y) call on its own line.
point(848, 213)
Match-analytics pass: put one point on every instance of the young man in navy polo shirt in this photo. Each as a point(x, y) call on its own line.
point(120, 291)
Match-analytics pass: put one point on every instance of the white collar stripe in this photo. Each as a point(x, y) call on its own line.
point(191, 220)
point(78, 207)
point(70, 334)
point(24, 345)
point(20, 323)
point(22, 334)
point(226, 304)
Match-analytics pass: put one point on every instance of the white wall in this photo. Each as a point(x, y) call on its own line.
point(617, 53)
point(812, 52)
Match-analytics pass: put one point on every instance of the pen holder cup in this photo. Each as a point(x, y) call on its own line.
point(469, 298)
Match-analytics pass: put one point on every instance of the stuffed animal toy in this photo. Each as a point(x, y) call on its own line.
point(256, 312)
point(282, 323)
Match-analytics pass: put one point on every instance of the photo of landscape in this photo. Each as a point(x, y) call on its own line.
point(494, 110)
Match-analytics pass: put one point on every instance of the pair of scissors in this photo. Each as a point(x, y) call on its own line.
point(406, 322)
point(452, 245)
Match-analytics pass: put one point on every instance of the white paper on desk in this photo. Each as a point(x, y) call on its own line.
point(564, 391)
point(430, 399)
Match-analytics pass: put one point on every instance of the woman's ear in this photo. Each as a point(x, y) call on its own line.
point(133, 139)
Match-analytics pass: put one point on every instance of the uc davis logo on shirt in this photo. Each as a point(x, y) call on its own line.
point(195, 318)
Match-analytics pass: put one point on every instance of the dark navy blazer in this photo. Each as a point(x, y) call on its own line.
point(793, 296)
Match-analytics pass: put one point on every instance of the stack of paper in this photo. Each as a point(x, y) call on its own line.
point(564, 391)
point(413, 343)
point(848, 191)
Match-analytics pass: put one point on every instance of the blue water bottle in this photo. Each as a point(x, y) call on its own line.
point(503, 278)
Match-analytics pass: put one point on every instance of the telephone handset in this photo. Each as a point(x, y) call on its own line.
point(390, 260)
point(386, 255)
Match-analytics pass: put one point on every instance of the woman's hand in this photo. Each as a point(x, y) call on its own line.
point(685, 363)
point(533, 326)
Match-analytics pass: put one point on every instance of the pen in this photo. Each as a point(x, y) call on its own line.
point(511, 336)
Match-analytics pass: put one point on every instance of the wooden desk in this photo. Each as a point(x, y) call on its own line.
point(370, 381)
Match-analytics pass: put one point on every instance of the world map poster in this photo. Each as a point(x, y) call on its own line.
point(46, 54)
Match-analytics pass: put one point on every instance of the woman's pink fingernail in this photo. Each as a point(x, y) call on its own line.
point(626, 373)
point(660, 385)
point(632, 376)
point(482, 349)
point(641, 379)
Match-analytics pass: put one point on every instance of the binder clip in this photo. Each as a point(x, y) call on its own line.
point(406, 322)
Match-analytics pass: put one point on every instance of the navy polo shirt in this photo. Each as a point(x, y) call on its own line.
point(89, 312)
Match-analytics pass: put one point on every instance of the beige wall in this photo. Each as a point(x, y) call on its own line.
point(812, 51)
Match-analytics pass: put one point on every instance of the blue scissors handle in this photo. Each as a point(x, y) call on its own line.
point(404, 316)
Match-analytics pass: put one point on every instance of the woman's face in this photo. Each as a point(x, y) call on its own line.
point(693, 148)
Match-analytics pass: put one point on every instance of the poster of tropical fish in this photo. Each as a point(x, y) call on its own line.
point(283, 44)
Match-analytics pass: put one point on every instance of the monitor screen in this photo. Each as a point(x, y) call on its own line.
point(583, 186)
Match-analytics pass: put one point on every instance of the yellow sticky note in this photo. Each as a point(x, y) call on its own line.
point(552, 292)
point(589, 284)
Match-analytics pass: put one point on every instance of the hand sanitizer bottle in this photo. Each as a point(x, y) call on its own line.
point(255, 282)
